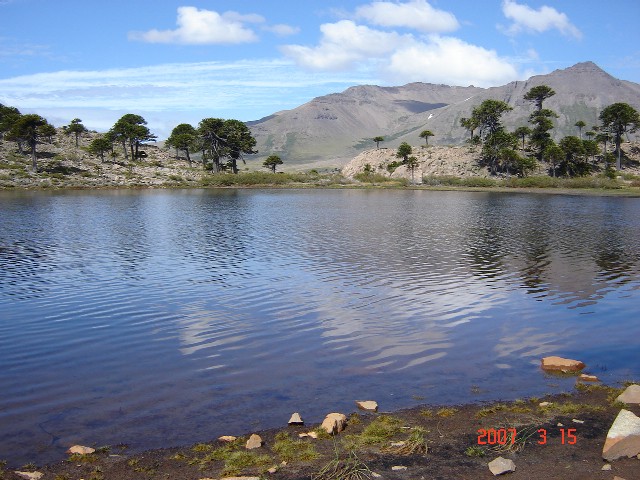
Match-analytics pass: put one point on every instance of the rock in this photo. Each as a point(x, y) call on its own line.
point(303, 435)
point(623, 439)
point(606, 467)
point(312, 434)
point(560, 424)
point(545, 404)
point(501, 465)
point(397, 468)
point(376, 475)
point(398, 444)
point(334, 423)
point(30, 475)
point(559, 364)
point(254, 442)
point(80, 450)
point(227, 438)
point(296, 419)
point(630, 395)
point(588, 378)
point(368, 405)
point(273, 470)
point(574, 420)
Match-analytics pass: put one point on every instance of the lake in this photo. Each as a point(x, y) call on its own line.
point(163, 318)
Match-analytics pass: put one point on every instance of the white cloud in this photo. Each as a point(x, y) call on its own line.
point(416, 14)
point(545, 18)
point(282, 29)
point(450, 61)
point(197, 27)
point(342, 44)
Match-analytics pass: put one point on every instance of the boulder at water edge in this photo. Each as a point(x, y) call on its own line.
point(80, 450)
point(255, 441)
point(367, 405)
point(623, 439)
point(334, 423)
point(559, 364)
point(296, 419)
point(630, 395)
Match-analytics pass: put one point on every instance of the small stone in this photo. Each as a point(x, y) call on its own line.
point(296, 419)
point(560, 424)
point(227, 438)
point(367, 405)
point(623, 438)
point(334, 423)
point(303, 435)
point(606, 467)
point(559, 364)
point(376, 475)
point(30, 475)
point(577, 421)
point(545, 404)
point(588, 378)
point(398, 444)
point(630, 395)
point(397, 468)
point(80, 450)
point(312, 434)
point(254, 442)
point(501, 465)
point(273, 470)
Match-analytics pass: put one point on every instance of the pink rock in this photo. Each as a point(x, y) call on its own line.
point(334, 423)
point(255, 441)
point(80, 450)
point(367, 405)
point(623, 439)
point(559, 364)
point(588, 378)
point(227, 438)
point(630, 395)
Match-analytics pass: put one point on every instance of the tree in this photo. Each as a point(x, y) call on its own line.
point(8, 116)
point(487, 116)
point(522, 132)
point(229, 139)
point(470, 124)
point(540, 137)
point(131, 128)
point(99, 146)
point(272, 162)
point(553, 155)
point(426, 134)
point(378, 139)
point(404, 150)
point(27, 128)
point(494, 146)
point(539, 94)
point(580, 124)
point(618, 119)
point(76, 127)
point(183, 137)
point(590, 148)
point(47, 131)
point(412, 163)
point(573, 162)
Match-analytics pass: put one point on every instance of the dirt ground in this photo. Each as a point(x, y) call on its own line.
point(450, 436)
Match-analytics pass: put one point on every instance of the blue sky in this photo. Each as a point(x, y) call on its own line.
point(181, 61)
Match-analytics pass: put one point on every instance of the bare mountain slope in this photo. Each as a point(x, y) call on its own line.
point(334, 128)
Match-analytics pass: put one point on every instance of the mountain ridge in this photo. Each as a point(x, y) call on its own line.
point(330, 130)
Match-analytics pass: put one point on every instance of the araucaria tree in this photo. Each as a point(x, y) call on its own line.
point(619, 119)
point(183, 137)
point(378, 139)
point(28, 129)
point(404, 150)
point(8, 115)
point(133, 129)
point(541, 118)
point(411, 164)
point(75, 127)
point(230, 139)
point(99, 146)
point(522, 133)
point(426, 134)
point(488, 118)
point(272, 162)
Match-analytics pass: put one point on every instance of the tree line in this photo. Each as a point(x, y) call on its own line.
point(570, 156)
point(221, 142)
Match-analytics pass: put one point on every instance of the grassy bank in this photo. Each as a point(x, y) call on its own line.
point(546, 438)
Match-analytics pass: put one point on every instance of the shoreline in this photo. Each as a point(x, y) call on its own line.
point(447, 447)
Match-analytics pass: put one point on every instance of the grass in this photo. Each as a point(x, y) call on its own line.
point(380, 430)
point(571, 408)
point(290, 450)
point(416, 443)
point(237, 461)
point(447, 412)
point(348, 467)
point(475, 451)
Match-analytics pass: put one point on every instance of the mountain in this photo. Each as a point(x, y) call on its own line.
point(330, 130)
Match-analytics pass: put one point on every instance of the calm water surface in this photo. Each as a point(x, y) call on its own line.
point(169, 317)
